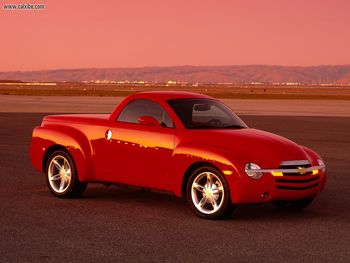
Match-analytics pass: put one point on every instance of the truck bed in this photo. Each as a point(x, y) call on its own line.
point(91, 119)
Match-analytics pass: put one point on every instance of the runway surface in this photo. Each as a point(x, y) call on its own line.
point(115, 225)
point(264, 107)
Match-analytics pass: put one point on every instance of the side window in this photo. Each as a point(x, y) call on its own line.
point(141, 107)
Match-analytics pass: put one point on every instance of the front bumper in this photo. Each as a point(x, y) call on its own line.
point(282, 184)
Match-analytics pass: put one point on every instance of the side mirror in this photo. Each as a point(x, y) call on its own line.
point(149, 121)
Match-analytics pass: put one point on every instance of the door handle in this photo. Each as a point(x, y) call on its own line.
point(108, 134)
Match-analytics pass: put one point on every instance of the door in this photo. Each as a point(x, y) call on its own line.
point(140, 154)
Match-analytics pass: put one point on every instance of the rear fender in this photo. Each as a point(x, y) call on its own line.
point(69, 138)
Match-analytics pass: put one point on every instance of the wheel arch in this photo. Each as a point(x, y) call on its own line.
point(80, 163)
point(47, 139)
point(190, 170)
point(52, 149)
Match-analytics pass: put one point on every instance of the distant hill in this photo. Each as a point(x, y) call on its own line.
point(192, 74)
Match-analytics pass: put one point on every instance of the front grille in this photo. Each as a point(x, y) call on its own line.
point(295, 165)
point(307, 180)
point(283, 187)
point(296, 180)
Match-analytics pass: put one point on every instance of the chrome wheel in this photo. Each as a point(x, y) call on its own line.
point(207, 192)
point(59, 174)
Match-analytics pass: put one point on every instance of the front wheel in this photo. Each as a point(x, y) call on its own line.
point(208, 193)
point(62, 177)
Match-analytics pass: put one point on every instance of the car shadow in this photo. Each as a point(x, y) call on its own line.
point(269, 212)
point(179, 205)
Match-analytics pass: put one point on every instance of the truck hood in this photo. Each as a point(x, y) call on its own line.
point(251, 145)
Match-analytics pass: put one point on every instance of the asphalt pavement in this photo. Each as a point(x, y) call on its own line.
point(109, 224)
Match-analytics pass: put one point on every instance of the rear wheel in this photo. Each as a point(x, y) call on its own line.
point(62, 177)
point(208, 193)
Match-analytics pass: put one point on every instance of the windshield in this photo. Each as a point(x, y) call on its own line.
point(205, 114)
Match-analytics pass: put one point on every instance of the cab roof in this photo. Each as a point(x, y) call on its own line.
point(158, 96)
point(168, 95)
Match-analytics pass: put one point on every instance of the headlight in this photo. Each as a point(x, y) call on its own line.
point(249, 170)
point(321, 163)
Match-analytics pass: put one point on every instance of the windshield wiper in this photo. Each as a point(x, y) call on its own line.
point(218, 127)
point(203, 127)
point(234, 127)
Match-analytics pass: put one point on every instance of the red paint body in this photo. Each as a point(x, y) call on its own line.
point(158, 158)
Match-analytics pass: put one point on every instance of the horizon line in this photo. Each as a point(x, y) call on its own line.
point(178, 66)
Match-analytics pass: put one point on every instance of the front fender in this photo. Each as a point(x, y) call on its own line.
point(188, 154)
point(73, 140)
point(313, 156)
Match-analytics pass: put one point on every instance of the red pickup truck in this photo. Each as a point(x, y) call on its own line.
point(183, 143)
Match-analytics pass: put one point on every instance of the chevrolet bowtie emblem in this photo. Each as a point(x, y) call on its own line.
point(301, 170)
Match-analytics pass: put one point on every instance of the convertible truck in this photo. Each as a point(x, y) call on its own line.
point(183, 143)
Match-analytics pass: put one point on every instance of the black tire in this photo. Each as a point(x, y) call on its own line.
point(73, 187)
point(223, 198)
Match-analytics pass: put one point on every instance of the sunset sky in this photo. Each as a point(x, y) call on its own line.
point(137, 33)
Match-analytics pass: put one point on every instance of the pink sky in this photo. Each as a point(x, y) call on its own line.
point(130, 33)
